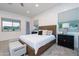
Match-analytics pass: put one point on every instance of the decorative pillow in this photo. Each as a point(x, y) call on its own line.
point(49, 32)
point(40, 32)
point(45, 32)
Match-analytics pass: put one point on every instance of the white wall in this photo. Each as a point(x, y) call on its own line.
point(50, 17)
point(12, 35)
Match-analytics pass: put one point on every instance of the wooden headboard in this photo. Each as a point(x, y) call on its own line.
point(49, 27)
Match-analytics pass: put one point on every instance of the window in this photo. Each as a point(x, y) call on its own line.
point(16, 25)
point(10, 24)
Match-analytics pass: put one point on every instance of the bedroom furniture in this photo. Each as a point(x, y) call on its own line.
point(36, 41)
point(17, 49)
point(49, 27)
point(31, 50)
point(34, 32)
point(41, 50)
point(66, 40)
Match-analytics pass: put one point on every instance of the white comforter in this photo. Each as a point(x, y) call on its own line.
point(36, 41)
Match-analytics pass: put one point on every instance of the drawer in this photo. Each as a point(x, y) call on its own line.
point(66, 37)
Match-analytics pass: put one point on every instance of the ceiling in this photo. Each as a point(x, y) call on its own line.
point(22, 9)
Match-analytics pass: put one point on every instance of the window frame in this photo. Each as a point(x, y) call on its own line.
point(12, 25)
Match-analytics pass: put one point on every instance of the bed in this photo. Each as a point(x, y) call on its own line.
point(37, 44)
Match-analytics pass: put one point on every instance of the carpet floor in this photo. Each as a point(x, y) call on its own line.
point(55, 50)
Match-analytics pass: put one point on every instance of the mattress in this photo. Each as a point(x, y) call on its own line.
point(36, 41)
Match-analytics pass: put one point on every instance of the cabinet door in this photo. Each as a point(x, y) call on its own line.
point(61, 40)
point(70, 42)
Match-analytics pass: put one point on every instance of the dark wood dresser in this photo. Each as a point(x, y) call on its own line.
point(66, 40)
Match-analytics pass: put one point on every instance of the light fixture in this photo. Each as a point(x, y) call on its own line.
point(28, 11)
point(36, 5)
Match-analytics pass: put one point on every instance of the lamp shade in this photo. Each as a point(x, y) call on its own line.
point(65, 25)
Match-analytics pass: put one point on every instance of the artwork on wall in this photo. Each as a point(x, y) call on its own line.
point(9, 24)
point(35, 26)
point(69, 20)
point(71, 25)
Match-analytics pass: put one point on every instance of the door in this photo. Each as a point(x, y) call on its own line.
point(27, 28)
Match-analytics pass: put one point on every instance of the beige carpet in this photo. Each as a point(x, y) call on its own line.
point(55, 50)
point(4, 48)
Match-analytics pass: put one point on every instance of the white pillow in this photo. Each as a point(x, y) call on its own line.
point(44, 32)
point(49, 32)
